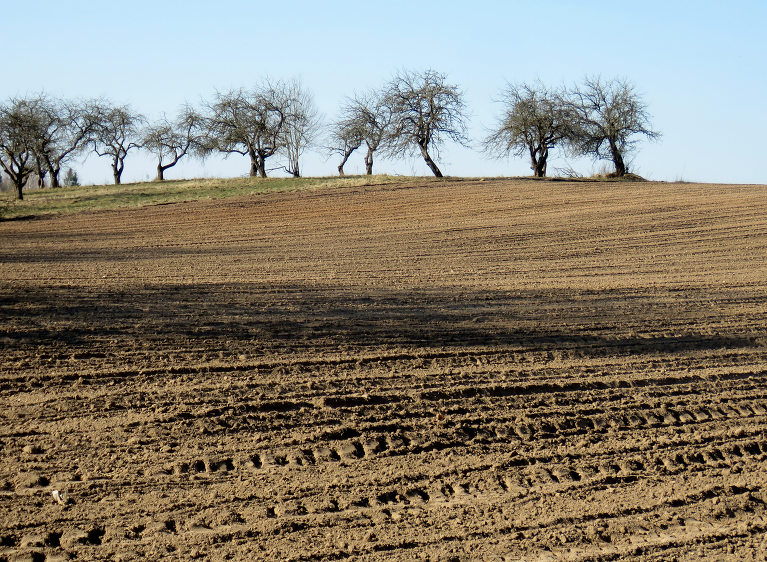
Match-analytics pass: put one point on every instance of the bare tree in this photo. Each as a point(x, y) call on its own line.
point(426, 111)
point(535, 119)
point(66, 127)
point(20, 126)
point(375, 117)
point(170, 142)
point(42, 118)
point(609, 116)
point(301, 128)
point(364, 118)
point(345, 138)
point(117, 132)
point(250, 123)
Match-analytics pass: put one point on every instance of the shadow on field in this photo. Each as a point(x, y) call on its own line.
point(293, 318)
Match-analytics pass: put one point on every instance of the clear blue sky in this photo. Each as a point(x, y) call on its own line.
point(701, 67)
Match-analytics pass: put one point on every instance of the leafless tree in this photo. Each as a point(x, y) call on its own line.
point(426, 111)
point(171, 141)
point(345, 138)
point(364, 118)
point(66, 127)
point(43, 119)
point(610, 114)
point(20, 126)
point(250, 123)
point(117, 132)
point(535, 119)
point(301, 127)
point(375, 117)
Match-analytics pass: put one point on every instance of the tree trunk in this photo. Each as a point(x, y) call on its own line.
point(429, 162)
point(18, 178)
point(538, 157)
point(261, 166)
point(620, 166)
point(343, 162)
point(160, 173)
point(369, 162)
point(40, 175)
point(254, 161)
point(18, 174)
point(118, 166)
point(54, 171)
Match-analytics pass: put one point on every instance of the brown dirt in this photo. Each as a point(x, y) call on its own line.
point(457, 370)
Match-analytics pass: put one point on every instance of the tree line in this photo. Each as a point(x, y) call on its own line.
point(412, 113)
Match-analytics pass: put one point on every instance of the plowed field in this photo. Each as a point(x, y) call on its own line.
point(426, 370)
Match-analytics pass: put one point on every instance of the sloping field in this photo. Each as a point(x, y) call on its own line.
point(438, 370)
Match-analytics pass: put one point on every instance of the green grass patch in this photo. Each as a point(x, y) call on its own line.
point(65, 200)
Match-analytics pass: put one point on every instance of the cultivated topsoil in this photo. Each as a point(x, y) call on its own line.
point(459, 370)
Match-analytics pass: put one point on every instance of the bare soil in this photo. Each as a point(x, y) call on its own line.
point(466, 369)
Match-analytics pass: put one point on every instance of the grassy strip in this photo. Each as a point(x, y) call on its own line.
point(65, 200)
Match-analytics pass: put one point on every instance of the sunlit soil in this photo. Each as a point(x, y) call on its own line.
point(500, 369)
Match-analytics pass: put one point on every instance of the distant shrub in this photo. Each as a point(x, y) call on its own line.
point(71, 179)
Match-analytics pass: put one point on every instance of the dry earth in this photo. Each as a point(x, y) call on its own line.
point(438, 370)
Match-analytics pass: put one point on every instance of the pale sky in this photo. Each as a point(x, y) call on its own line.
point(700, 66)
